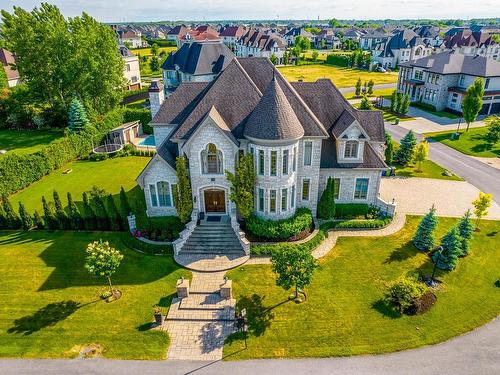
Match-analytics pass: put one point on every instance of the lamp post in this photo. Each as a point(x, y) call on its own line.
point(439, 251)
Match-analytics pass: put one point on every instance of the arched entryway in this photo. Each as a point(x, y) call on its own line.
point(214, 201)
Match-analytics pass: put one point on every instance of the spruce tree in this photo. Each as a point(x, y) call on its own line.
point(114, 214)
point(89, 216)
point(184, 205)
point(77, 116)
point(399, 102)
point(389, 148)
point(126, 210)
point(365, 104)
point(26, 222)
point(12, 219)
point(38, 221)
point(48, 215)
point(3, 217)
point(103, 221)
point(394, 99)
point(450, 243)
point(62, 218)
point(406, 151)
point(405, 104)
point(74, 217)
point(358, 87)
point(465, 229)
point(424, 239)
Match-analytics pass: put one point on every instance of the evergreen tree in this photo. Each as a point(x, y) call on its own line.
point(450, 243)
point(3, 217)
point(389, 148)
point(77, 116)
point(326, 204)
point(74, 217)
point(89, 216)
point(154, 63)
point(405, 104)
point(465, 229)
point(12, 219)
point(243, 185)
point(405, 153)
point(49, 217)
point(103, 221)
point(394, 99)
point(424, 239)
point(184, 201)
point(370, 87)
point(358, 87)
point(399, 102)
point(274, 59)
point(125, 209)
point(62, 218)
point(114, 214)
point(38, 221)
point(26, 222)
point(365, 104)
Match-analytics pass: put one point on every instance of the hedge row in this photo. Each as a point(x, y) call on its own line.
point(338, 60)
point(351, 210)
point(369, 223)
point(280, 229)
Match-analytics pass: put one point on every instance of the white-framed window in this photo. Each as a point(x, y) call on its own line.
point(284, 164)
point(294, 164)
point(486, 83)
point(306, 185)
point(272, 200)
point(292, 198)
point(164, 197)
point(308, 152)
point(284, 199)
point(351, 149)
point(128, 67)
point(361, 189)
point(260, 205)
point(274, 163)
point(461, 81)
point(211, 158)
point(152, 194)
point(261, 162)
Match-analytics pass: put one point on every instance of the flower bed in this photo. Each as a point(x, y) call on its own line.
point(296, 227)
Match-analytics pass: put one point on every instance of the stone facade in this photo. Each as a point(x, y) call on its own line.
point(158, 170)
point(348, 182)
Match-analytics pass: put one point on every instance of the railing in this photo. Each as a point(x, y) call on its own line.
point(241, 235)
point(184, 235)
point(387, 208)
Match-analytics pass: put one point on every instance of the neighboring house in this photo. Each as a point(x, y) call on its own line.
point(326, 39)
point(368, 41)
point(258, 44)
point(131, 71)
point(404, 45)
point(7, 59)
point(468, 42)
point(200, 34)
point(175, 34)
point(300, 134)
point(353, 34)
point(131, 39)
point(430, 35)
point(231, 34)
point(294, 33)
point(441, 80)
point(196, 62)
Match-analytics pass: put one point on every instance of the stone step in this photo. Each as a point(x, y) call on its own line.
point(212, 253)
point(216, 245)
point(214, 231)
point(177, 312)
point(205, 301)
point(224, 238)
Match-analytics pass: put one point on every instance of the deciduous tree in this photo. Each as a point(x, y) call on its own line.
point(102, 260)
point(421, 154)
point(473, 101)
point(481, 205)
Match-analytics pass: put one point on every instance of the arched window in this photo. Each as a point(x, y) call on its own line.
point(351, 149)
point(164, 198)
point(211, 159)
point(417, 51)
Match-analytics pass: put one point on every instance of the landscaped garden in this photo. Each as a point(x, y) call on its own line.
point(54, 308)
point(345, 312)
point(23, 142)
point(341, 77)
point(472, 142)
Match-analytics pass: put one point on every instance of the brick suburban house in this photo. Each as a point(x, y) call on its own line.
point(300, 134)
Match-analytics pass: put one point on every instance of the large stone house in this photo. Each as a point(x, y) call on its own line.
point(230, 34)
point(469, 42)
point(441, 80)
point(255, 43)
point(300, 134)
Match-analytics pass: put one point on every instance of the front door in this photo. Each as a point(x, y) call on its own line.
point(215, 201)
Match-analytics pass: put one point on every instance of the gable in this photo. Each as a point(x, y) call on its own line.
point(156, 166)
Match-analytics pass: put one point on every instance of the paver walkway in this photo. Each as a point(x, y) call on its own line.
point(197, 325)
point(327, 245)
point(210, 262)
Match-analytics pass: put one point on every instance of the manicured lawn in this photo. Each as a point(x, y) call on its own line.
point(51, 307)
point(109, 175)
point(27, 142)
point(376, 94)
point(429, 169)
point(147, 51)
point(470, 143)
point(437, 113)
point(391, 117)
point(341, 77)
point(345, 314)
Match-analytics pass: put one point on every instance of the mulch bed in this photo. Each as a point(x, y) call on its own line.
point(423, 304)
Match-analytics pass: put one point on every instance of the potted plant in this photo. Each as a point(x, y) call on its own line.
point(158, 315)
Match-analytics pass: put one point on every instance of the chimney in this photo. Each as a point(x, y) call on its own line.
point(156, 96)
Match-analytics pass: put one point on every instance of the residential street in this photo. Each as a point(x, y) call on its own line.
point(481, 175)
point(477, 352)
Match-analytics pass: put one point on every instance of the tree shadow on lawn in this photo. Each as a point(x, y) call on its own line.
point(164, 304)
point(46, 316)
point(385, 308)
point(402, 253)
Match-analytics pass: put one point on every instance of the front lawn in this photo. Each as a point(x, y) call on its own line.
point(344, 313)
point(27, 141)
point(471, 142)
point(109, 175)
point(376, 93)
point(147, 50)
point(50, 304)
point(428, 108)
point(341, 77)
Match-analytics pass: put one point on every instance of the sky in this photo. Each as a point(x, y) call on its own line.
point(200, 10)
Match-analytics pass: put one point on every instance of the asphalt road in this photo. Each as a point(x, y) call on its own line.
point(481, 175)
point(477, 352)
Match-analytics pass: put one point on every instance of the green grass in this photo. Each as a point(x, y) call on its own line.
point(341, 77)
point(344, 314)
point(24, 142)
point(109, 175)
point(50, 303)
point(470, 143)
point(429, 169)
point(376, 94)
point(147, 51)
point(437, 113)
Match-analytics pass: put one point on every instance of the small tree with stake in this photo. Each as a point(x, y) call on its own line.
point(473, 101)
point(481, 205)
point(448, 258)
point(294, 266)
point(103, 260)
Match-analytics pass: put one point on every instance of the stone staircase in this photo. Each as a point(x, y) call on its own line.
point(213, 238)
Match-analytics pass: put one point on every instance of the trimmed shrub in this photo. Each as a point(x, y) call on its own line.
point(368, 223)
point(26, 221)
point(338, 60)
point(403, 293)
point(280, 229)
point(351, 210)
point(266, 250)
point(38, 221)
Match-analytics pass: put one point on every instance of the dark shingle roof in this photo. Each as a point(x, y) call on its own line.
point(452, 62)
point(273, 118)
point(200, 58)
point(168, 151)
